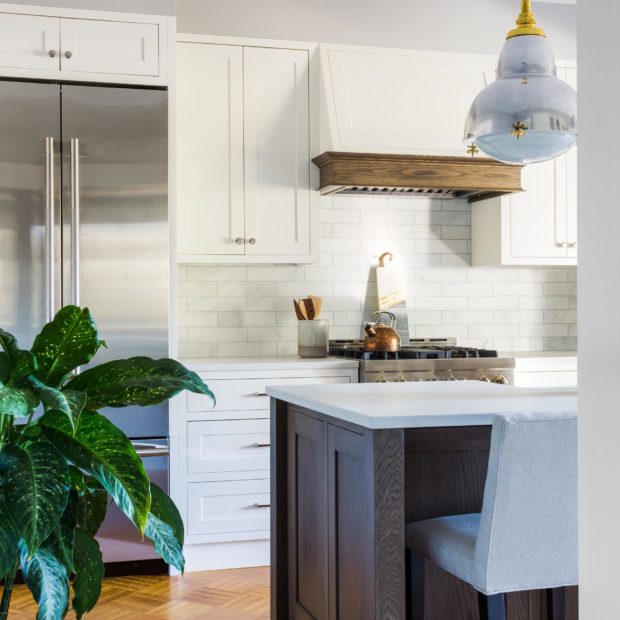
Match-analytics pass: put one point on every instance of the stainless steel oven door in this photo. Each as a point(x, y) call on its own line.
point(118, 537)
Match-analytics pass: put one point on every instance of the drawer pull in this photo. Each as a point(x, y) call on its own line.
point(257, 394)
point(257, 505)
point(261, 445)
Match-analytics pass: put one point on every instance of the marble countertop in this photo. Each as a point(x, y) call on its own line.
point(430, 404)
point(265, 363)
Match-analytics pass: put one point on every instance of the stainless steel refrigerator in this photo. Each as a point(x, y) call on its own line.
point(84, 220)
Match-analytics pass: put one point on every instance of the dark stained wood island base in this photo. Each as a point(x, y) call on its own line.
point(341, 495)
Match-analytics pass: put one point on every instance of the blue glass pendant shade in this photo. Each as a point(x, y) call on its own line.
point(527, 115)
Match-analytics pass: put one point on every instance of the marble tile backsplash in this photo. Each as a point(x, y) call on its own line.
point(246, 310)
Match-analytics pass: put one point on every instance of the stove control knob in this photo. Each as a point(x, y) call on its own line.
point(432, 378)
point(401, 378)
point(382, 379)
point(501, 380)
point(482, 377)
point(451, 376)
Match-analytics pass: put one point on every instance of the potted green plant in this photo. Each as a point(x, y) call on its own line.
point(59, 470)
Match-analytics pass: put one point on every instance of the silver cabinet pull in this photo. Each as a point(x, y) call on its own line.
point(49, 228)
point(239, 240)
point(68, 54)
point(257, 505)
point(261, 445)
point(52, 53)
point(257, 394)
point(75, 221)
point(251, 240)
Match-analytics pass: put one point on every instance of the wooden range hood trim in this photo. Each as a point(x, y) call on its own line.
point(449, 177)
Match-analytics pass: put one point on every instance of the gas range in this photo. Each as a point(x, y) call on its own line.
point(427, 359)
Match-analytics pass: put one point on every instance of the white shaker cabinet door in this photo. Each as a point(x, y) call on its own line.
point(97, 46)
point(29, 42)
point(277, 152)
point(209, 119)
point(537, 219)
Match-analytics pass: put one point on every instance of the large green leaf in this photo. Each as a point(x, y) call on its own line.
point(164, 527)
point(9, 537)
point(46, 578)
point(16, 402)
point(89, 571)
point(98, 447)
point(34, 483)
point(69, 402)
point(92, 508)
point(65, 343)
point(136, 381)
point(60, 541)
point(20, 363)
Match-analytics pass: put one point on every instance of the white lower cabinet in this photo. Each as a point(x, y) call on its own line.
point(220, 456)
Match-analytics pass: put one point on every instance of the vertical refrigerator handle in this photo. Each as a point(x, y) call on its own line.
point(49, 229)
point(75, 221)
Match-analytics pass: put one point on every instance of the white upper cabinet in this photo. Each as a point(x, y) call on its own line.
point(277, 152)
point(537, 226)
point(77, 45)
point(209, 146)
point(243, 154)
point(29, 41)
point(400, 101)
point(109, 47)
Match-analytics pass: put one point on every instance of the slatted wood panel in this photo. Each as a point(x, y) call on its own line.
point(213, 595)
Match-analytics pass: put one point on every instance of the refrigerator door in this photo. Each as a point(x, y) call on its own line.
point(118, 537)
point(29, 207)
point(115, 226)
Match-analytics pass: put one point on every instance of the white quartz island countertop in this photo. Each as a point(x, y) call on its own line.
point(430, 404)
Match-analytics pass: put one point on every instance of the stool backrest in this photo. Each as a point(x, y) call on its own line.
point(528, 526)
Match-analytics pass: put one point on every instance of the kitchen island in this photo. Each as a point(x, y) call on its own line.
point(351, 464)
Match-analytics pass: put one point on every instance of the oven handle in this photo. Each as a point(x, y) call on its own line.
point(145, 450)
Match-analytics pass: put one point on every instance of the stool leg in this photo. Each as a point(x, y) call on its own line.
point(416, 567)
point(492, 607)
point(556, 603)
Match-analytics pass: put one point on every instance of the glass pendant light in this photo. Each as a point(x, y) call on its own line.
point(527, 115)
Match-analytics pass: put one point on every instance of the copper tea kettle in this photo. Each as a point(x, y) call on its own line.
point(381, 337)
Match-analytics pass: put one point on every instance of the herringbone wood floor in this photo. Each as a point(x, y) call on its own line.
point(214, 595)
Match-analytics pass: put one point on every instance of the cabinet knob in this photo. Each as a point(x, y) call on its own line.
point(251, 240)
point(572, 244)
point(68, 54)
point(52, 53)
point(239, 240)
point(473, 150)
point(562, 244)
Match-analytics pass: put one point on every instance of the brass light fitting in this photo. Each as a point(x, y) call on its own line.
point(526, 22)
point(519, 129)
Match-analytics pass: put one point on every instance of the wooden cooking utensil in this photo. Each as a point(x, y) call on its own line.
point(302, 309)
point(309, 305)
point(297, 310)
point(317, 303)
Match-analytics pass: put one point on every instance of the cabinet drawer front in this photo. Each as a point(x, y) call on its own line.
point(243, 394)
point(26, 42)
point(222, 507)
point(235, 445)
point(109, 47)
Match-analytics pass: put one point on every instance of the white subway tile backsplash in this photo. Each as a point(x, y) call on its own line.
point(246, 310)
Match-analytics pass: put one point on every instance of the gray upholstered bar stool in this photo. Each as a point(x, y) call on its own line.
point(525, 538)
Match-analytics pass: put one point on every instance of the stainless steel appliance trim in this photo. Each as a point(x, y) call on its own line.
point(49, 229)
point(75, 221)
point(450, 363)
point(144, 449)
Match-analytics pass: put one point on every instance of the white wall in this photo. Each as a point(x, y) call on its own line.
point(450, 25)
point(599, 308)
point(152, 7)
point(247, 310)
